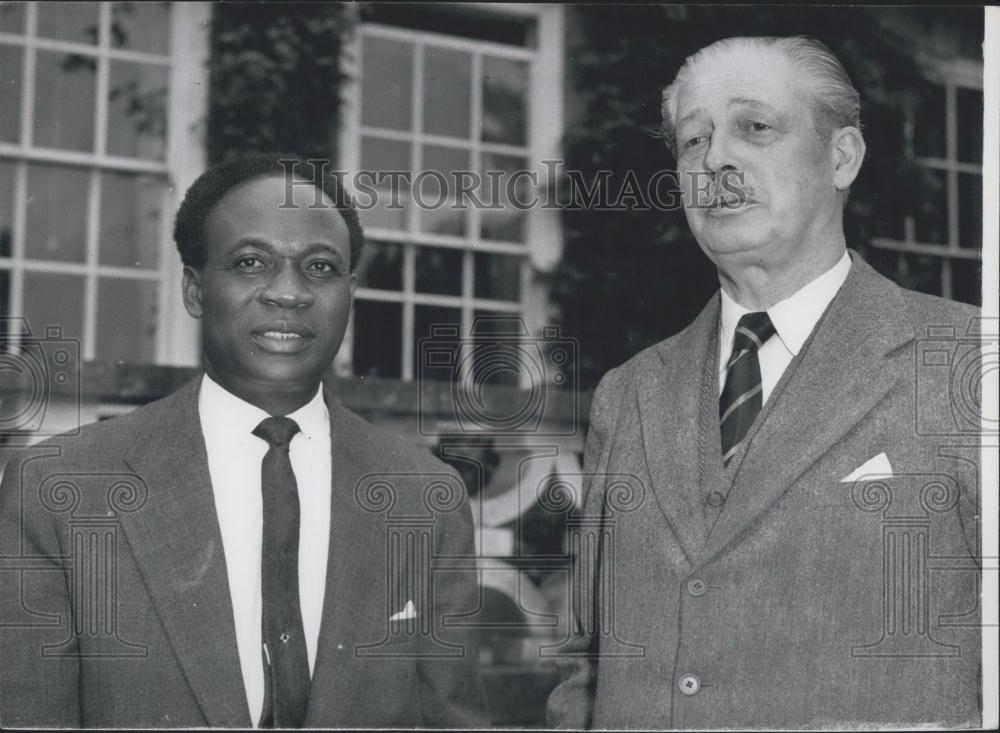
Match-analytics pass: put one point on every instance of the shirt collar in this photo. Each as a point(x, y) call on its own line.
point(232, 420)
point(794, 317)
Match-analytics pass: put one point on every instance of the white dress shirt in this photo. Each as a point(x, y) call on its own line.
point(794, 318)
point(234, 463)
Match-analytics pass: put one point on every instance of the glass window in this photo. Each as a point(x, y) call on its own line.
point(929, 122)
point(439, 270)
point(64, 21)
point(381, 266)
point(65, 88)
point(438, 329)
point(967, 281)
point(447, 92)
point(7, 213)
point(126, 319)
point(456, 109)
point(970, 125)
point(497, 277)
point(10, 93)
point(131, 219)
point(930, 212)
point(437, 201)
point(57, 213)
point(388, 83)
point(12, 17)
point(54, 300)
point(137, 110)
point(505, 101)
point(970, 210)
point(143, 26)
point(380, 158)
point(377, 336)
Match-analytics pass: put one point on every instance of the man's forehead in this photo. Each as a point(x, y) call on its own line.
point(741, 76)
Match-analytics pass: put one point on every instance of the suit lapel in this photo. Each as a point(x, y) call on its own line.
point(354, 600)
point(671, 392)
point(838, 378)
point(176, 541)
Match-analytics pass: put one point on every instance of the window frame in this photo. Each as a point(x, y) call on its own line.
point(951, 74)
point(543, 236)
point(177, 335)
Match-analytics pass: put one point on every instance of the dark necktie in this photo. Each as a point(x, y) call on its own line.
point(286, 664)
point(741, 397)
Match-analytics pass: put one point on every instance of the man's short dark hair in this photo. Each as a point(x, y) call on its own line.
point(217, 181)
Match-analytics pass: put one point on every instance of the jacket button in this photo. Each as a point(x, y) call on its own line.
point(697, 587)
point(689, 684)
point(715, 499)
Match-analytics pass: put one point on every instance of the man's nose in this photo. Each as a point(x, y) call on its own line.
point(719, 155)
point(288, 288)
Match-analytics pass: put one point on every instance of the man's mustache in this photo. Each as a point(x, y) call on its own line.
point(729, 189)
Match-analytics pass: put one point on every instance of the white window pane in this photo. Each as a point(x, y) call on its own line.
point(126, 320)
point(68, 21)
point(386, 83)
point(447, 92)
point(142, 26)
point(65, 87)
point(54, 300)
point(137, 110)
point(57, 213)
point(11, 58)
point(131, 219)
point(505, 101)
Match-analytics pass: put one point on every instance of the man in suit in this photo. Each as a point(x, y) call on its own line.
point(799, 545)
point(241, 552)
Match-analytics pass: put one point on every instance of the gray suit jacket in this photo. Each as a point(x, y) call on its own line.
point(775, 594)
point(115, 608)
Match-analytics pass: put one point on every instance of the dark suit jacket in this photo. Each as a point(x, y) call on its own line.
point(116, 608)
point(776, 593)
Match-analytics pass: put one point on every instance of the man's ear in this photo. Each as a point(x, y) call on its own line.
point(848, 151)
point(191, 291)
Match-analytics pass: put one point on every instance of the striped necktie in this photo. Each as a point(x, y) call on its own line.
point(741, 397)
point(286, 664)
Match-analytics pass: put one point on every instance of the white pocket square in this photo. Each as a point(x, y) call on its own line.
point(410, 611)
point(874, 468)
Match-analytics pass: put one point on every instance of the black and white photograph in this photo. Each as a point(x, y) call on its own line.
point(499, 366)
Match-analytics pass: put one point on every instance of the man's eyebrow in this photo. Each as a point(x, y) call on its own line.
point(749, 102)
point(308, 249)
point(690, 116)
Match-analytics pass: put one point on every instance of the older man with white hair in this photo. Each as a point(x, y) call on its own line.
point(800, 551)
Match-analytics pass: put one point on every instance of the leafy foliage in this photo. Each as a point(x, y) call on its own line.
point(275, 78)
point(630, 278)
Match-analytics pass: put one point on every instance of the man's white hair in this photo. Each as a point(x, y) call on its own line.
point(834, 101)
